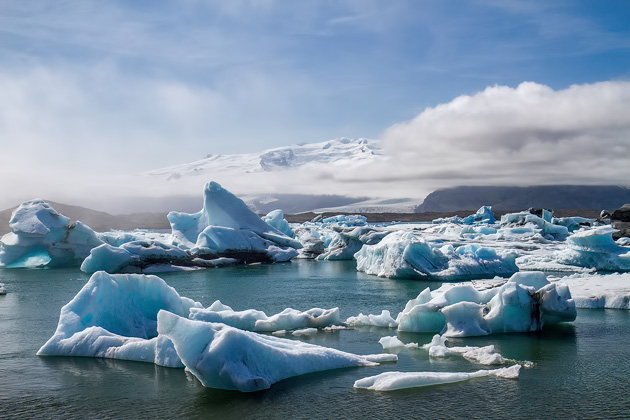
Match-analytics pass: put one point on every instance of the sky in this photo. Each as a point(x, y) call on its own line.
point(460, 92)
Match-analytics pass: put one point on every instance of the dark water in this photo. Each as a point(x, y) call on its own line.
point(582, 370)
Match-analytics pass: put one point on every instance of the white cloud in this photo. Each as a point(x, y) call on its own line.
point(527, 135)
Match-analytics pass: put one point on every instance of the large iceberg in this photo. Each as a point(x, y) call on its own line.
point(391, 381)
point(253, 320)
point(40, 236)
point(115, 316)
point(402, 254)
point(224, 357)
point(526, 302)
point(224, 231)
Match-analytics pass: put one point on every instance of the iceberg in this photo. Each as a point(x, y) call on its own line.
point(115, 316)
point(40, 236)
point(595, 248)
point(402, 254)
point(483, 215)
point(539, 224)
point(3, 290)
point(595, 291)
point(391, 381)
point(347, 241)
point(224, 232)
point(276, 220)
point(224, 209)
point(253, 320)
point(224, 357)
point(526, 302)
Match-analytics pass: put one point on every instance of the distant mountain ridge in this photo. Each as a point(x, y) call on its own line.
point(337, 151)
point(565, 197)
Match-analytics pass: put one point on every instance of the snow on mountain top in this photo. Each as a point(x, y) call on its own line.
point(338, 151)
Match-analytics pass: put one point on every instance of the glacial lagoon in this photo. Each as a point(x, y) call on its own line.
point(580, 368)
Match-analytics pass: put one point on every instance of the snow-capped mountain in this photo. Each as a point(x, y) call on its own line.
point(340, 151)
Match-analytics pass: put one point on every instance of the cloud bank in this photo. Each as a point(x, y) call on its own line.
point(526, 135)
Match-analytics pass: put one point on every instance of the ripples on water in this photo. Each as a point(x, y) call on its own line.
point(582, 369)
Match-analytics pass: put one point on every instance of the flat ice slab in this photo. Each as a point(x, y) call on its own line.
point(391, 381)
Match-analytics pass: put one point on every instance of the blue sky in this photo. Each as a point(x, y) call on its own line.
point(145, 84)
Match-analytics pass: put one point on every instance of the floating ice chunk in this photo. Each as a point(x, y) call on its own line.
point(347, 241)
point(135, 256)
point(228, 358)
point(115, 316)
point(526, 302)
point(525, 219)
point(305, 332)
point(345, 220)
point(382, 320)
point(594, 291)
point(403, 255)
point(291, 319)
point(253, 320)
point(276, 220)
point(595, 248)
point(393, 343)
point(391, 381)
point(40, 236)
point(3, 290)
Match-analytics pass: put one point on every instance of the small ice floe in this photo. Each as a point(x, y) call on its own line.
point(391, 381)
point(3, 290)
point(390, 343)
point(382, 320)
point(253, 320)
point(482, 355)
point(305, 332)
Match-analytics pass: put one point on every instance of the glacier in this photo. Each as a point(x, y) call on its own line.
point(40, 236)
point(392, 381)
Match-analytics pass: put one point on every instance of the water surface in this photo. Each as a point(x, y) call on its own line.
point(581, 370)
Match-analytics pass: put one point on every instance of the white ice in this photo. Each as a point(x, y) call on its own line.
point(391, 381)
point(224, 357)
point(394, 342)
point(384, 319)
point(3, 290)
point(595, 248)
point(610, 291)
point(526, 302)
point(403, 254)
point(253, 320)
